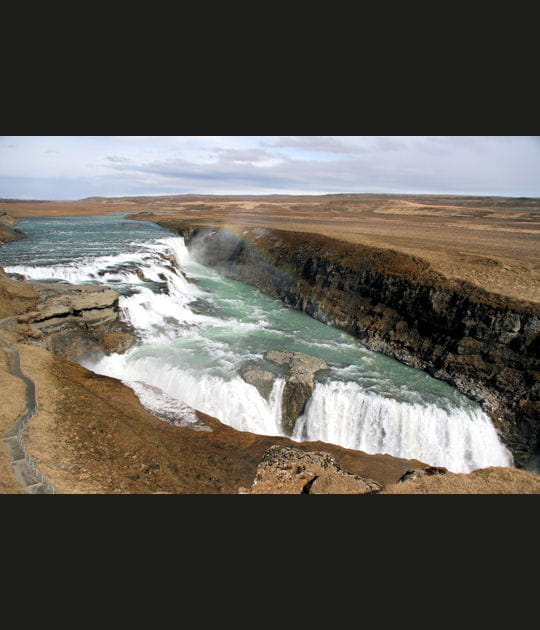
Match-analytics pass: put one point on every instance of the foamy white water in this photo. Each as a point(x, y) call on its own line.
point(198, 330)
point(460, 439)
point(233, 401)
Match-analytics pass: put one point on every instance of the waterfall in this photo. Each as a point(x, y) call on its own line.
point(461, 439)
point(198, 330)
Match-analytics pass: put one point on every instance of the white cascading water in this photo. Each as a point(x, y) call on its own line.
point(461, 438)
point(343, 413)
point(233, 401)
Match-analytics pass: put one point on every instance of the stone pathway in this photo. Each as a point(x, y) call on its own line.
point(23, 464)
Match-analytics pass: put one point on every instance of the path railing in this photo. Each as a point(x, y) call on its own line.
point(31, 477)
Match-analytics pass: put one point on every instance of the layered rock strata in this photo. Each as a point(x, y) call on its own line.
point(485, 344)
point(75, 321)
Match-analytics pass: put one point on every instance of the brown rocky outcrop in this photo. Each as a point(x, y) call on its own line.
point(15, 296)
point(286, 470)
point(7, 220)
point(75, 321)
point(490, 480)
point(485, 344)
point(116, 342)
point(7, 231)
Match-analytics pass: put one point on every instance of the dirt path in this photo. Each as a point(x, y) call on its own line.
point(23, 464)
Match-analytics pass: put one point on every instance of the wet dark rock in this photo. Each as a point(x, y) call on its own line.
point(417, 473)
point(141, 276)
point(300, 383)
point(170, 259)
point(201, 307)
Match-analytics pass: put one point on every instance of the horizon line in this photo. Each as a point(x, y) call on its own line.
point(282, 194)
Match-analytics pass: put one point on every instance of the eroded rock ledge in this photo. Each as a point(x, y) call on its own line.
point(485, 344)
point(75, 321)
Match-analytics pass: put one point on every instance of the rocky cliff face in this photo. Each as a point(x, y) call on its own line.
point(484, 344)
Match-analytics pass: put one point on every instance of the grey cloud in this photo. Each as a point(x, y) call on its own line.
point(399, 172)
point(314, 143)
point(243, 155)
point(229, 173)
point(385, 143)
point(116, 159)
point(346, 145)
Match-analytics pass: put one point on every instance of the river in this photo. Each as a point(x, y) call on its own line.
point(197, 330)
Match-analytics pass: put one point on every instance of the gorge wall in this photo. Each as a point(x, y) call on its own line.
point(484, 344)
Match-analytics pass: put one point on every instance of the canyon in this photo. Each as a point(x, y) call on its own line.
point(466, 312)
point(484, 344)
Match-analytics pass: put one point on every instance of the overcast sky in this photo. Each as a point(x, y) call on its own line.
point(74, 167)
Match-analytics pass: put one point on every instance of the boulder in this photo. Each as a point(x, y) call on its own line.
point(141, 276)
point(263, 380)
point(300, 383)
point(117, 342)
